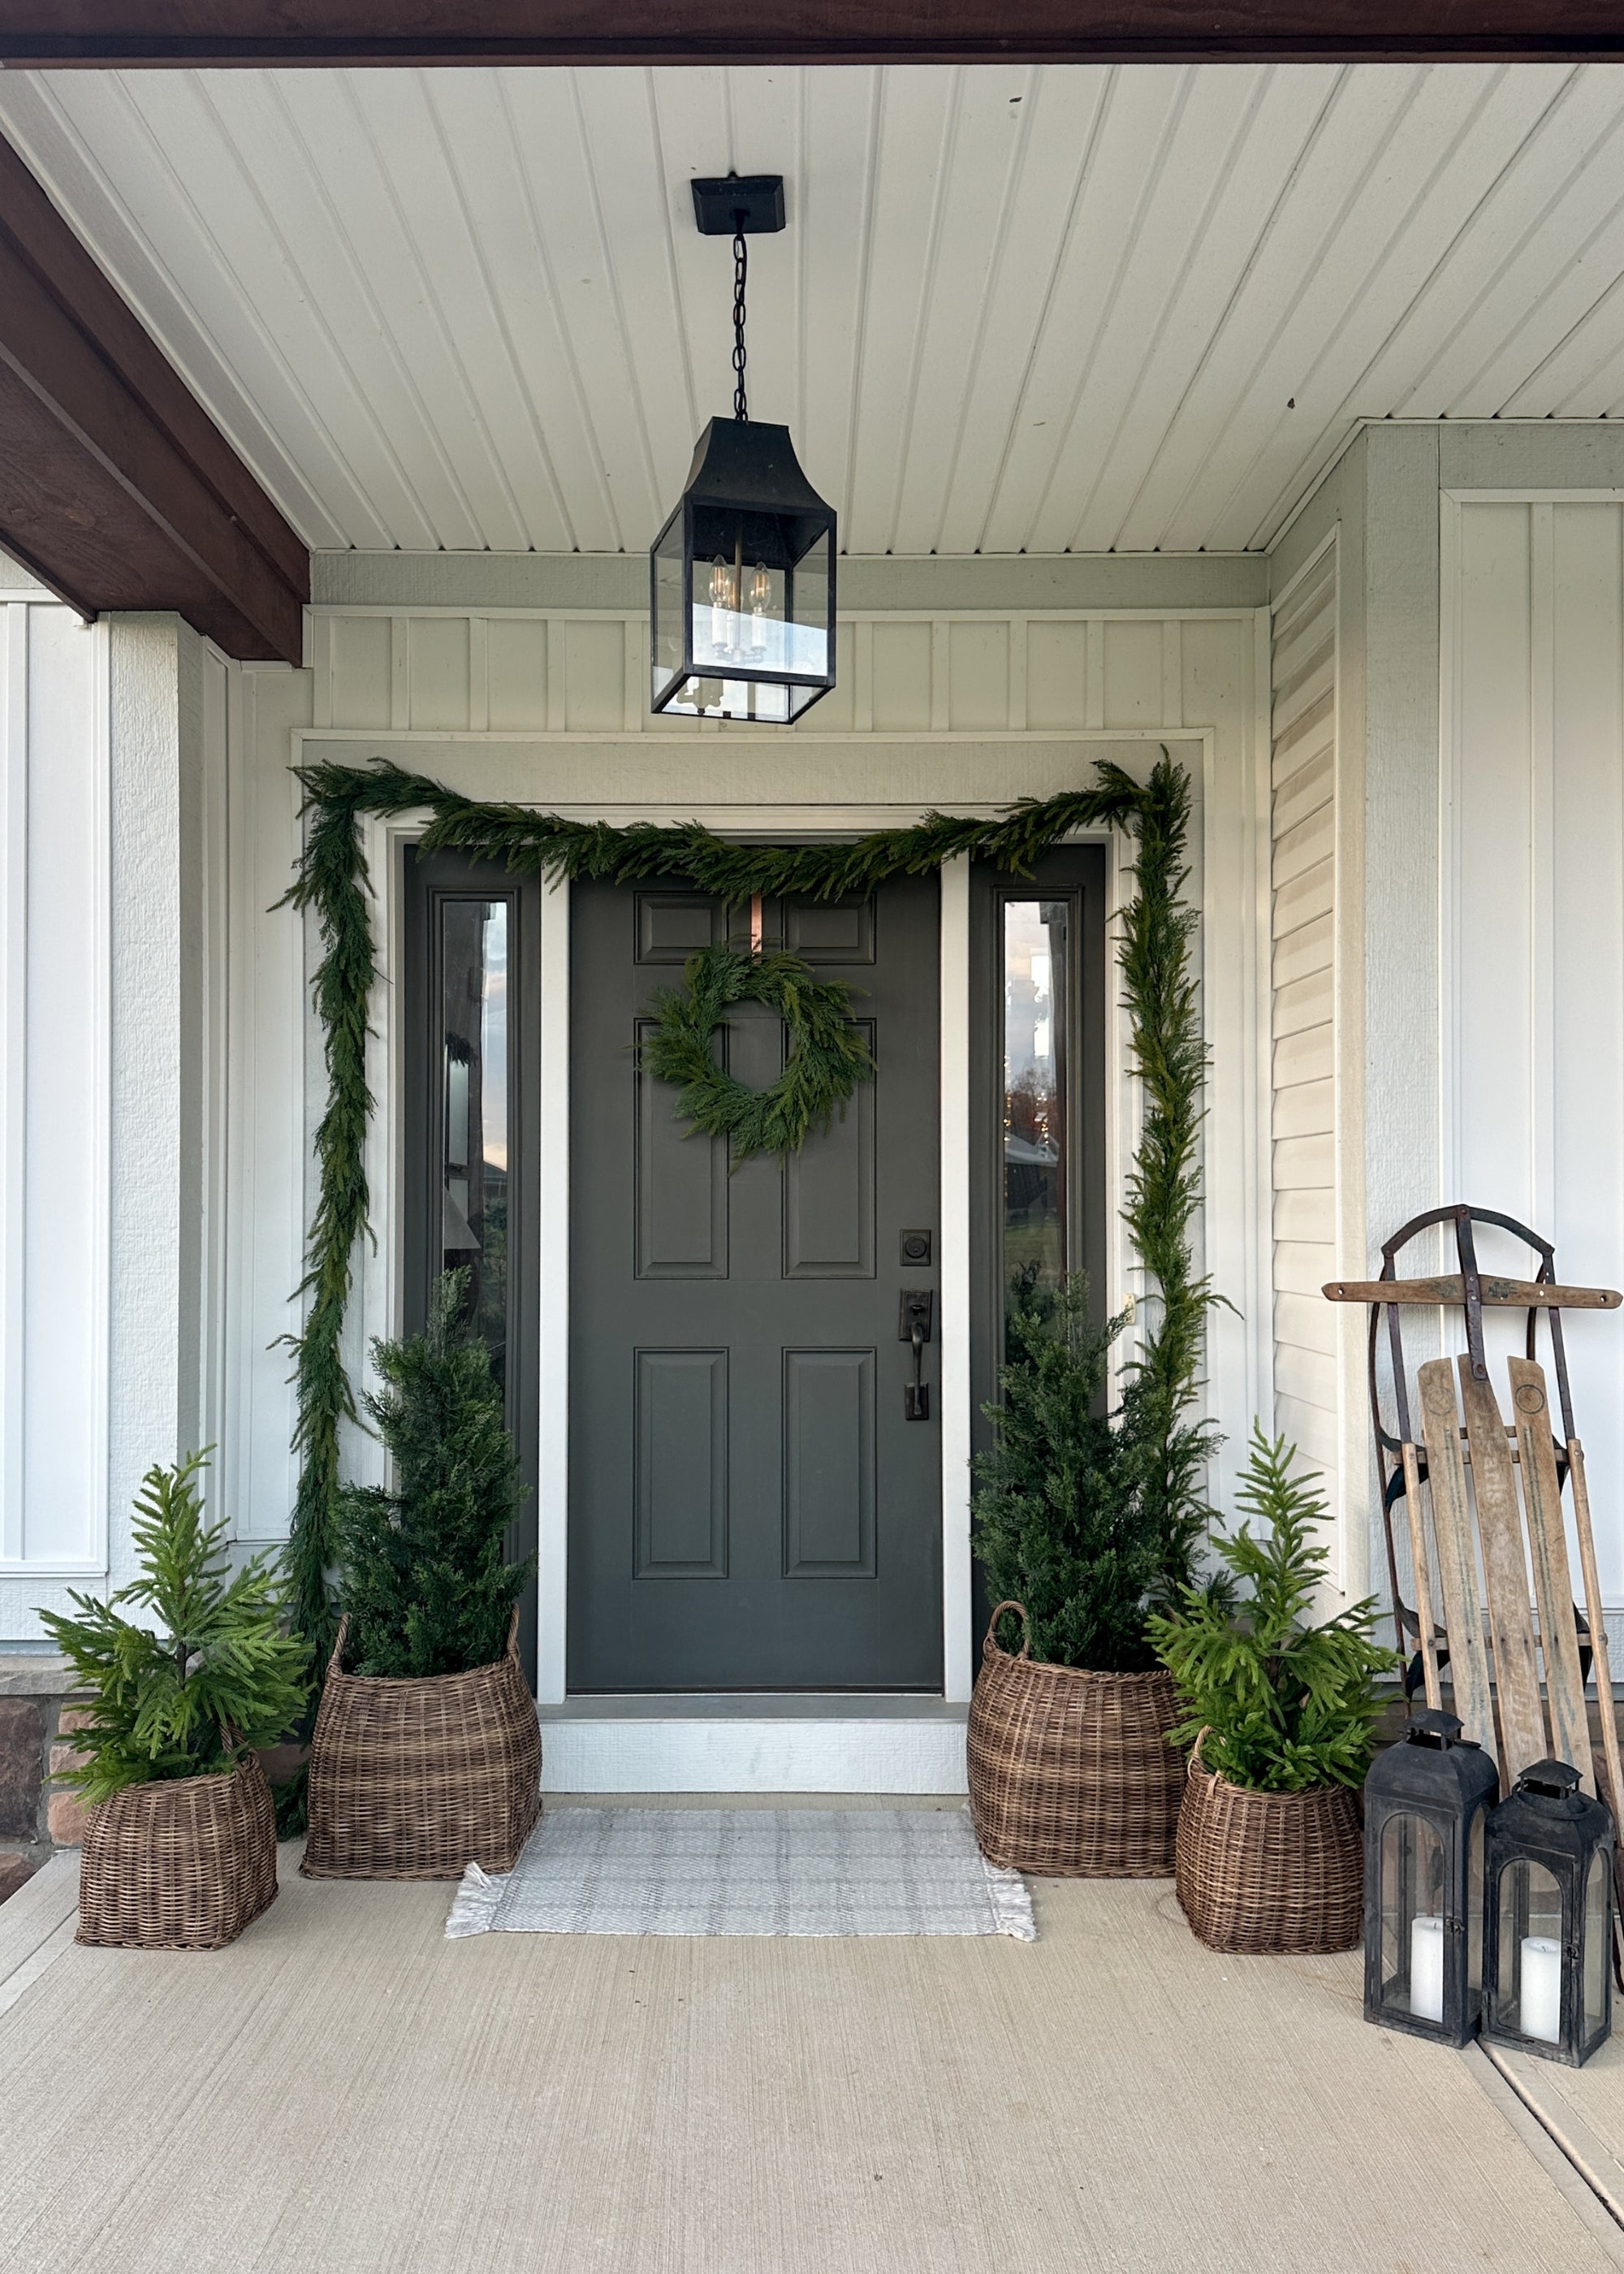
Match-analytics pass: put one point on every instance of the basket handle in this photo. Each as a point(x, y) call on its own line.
point(1025, 1627)
point(1195, 1750)
point(335, 1664)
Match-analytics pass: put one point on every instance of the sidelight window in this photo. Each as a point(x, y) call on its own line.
point(1037, 1242)
point(474, 1135)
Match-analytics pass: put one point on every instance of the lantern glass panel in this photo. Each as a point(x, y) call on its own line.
point(665, 659)
point(740, 698)
point(1530, 1952)
point(1474, 1910)
point(1414, 1908)
point(809, 630)
point(761, 613)
point(743, 620)
point(1597, 1943)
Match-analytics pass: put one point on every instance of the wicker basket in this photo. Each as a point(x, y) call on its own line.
point(1273, 1872)
point(1070, 1773)
point(183, 1863)
point(415, 1779)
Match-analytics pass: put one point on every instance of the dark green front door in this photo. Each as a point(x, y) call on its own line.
point(750, 1508)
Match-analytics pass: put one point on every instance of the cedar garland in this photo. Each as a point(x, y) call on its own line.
point(1159, 988)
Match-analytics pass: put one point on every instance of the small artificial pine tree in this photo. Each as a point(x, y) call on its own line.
point(1284, 1705)
point(421, 1570)
point(1063, 1522)
point(219, 1677)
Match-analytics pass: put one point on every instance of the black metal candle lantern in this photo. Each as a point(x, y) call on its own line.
point(742, 575)
point(1425, 1804)
point(1548, 1985)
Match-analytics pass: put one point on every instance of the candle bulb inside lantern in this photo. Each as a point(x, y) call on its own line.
point(721, 606)
point(761, 591)
point(1427, 1967)
point(1542, 1988)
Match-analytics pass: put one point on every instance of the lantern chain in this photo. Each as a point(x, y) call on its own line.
point(740, 265)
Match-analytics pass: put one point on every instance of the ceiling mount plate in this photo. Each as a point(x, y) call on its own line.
point(753, 204)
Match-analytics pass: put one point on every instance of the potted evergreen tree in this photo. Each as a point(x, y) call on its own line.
point(426, 1752)
point(180, 1845)
point(1280, 1712)
point(1077, 1535)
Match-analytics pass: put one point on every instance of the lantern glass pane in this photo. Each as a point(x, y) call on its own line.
point(1598, 1941)
point(1530, 1909)
point(740, 617)
point(665, 653)
point(738, 698)
point(1474, 1909)
point(808, 633)
point(1414, 1908)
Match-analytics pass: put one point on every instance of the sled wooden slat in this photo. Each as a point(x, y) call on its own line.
point(1457, 1561)
point(1600, 1665)
point(1553, 1590)
point(1493, 1292)
point(1505, 1573)
point(1428, 1638)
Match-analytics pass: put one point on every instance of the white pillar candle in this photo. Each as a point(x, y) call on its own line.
point(1542, 1988)
point(1427, 1967)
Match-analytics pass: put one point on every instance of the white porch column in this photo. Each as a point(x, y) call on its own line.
point(53, 1068)
point(161, 989)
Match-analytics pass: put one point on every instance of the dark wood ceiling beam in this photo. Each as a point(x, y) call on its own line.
point(116, 488)
point(359, 32)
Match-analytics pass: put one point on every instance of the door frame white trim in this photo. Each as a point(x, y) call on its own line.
point(953, 1201)
point(552, 1043)
point(384, 838)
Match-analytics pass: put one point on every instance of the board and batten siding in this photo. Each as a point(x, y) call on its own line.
point(446, 671)
point(1302, 833)
point(1531, 917)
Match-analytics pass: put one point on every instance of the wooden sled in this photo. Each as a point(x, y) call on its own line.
point(1518, 1671)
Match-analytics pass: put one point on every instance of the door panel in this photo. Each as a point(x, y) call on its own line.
point(680, 1419)
point(672, 926)
point(831, 931)
point(750, 1508)
point(829, 1482)
point(681, 1191)
point(829, 1194)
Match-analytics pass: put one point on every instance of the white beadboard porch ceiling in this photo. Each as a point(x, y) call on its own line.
point(1049, 310)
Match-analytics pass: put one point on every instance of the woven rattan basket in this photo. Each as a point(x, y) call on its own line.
point(184, 1864)
point(415, 1779)
point(1070, 1773)
point(1272, 1873)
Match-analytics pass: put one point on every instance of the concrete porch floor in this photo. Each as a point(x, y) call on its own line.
point(344, 2088)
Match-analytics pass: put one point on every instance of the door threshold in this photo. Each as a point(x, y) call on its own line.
point(753, 1705)
point(773, 1741)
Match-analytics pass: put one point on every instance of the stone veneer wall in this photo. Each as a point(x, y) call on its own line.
point(37, 1720)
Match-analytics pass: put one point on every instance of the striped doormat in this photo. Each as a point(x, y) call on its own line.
point(748, 1871)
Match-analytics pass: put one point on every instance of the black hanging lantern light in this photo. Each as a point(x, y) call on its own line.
point(1425, 1801)
point(1547, 1981)
point(742, 575)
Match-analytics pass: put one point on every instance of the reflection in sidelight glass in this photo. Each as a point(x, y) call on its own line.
point(474, 1138)
point(1034, 1091)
